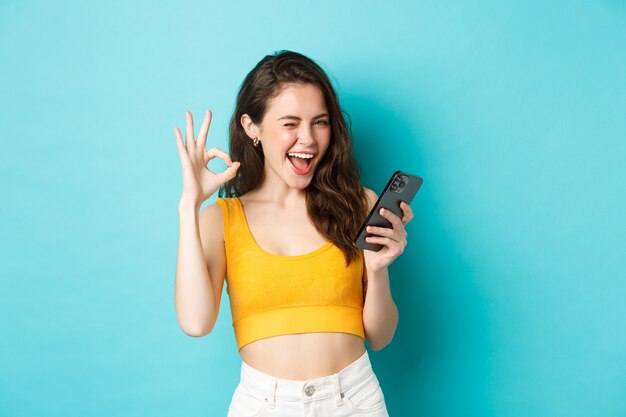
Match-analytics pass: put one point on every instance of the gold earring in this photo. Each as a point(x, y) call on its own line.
point(256, 142)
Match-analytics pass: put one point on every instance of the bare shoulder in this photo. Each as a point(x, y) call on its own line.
point(211, 221)
point(372, 197)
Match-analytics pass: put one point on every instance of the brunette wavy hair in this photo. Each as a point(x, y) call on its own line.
point(336, 201)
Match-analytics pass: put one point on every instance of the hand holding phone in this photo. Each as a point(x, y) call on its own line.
point(401, 187)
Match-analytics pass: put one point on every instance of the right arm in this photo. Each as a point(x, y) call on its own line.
point(200, 268)
point(201, 259)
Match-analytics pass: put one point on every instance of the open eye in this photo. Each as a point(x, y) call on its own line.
point(322, 122)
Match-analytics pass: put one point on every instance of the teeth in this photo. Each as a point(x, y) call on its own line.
point(301, 155)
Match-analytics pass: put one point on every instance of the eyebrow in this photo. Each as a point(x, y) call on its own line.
point(297, 118)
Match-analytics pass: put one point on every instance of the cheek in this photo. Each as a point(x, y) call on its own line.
point(287, 140)
point(324, 141)
point(279, 141)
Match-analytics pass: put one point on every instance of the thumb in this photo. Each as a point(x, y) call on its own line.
point(230, 172)
point(234, 166)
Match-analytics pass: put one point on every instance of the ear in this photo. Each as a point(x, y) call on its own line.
point(248, 125)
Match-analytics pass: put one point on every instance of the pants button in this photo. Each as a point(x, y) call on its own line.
point(309, 390)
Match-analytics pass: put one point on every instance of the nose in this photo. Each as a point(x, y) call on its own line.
point(305, 135)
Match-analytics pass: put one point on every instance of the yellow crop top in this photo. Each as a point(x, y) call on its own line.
point(273, 295)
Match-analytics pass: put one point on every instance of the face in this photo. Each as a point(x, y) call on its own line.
point(296, 120)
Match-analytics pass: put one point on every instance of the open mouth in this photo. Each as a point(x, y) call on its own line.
point(301, 163)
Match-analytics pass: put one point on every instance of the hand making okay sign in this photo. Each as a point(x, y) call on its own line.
point(200, 183)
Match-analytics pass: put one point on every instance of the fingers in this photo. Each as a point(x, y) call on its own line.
point(382, 231)
point(396, 247)
point(204, 129)
point(408, 213)
point(182, 152)
point(229, 173)
point(394, 238)
point(189, 132)
point(213, 152)
point(392, 235)
point(392, 217)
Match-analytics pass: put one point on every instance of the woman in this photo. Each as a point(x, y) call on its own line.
point(282, 231)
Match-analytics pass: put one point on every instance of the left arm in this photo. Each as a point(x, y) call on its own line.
point(380, 313)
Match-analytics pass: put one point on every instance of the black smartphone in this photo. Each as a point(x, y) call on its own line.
point(401, 187)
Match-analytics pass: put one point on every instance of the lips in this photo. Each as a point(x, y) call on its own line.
point(299, 171)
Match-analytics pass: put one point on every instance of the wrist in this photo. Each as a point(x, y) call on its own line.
point(378, 274)
point(186, 204)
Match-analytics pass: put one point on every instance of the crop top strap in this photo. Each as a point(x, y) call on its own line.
point(226, 215)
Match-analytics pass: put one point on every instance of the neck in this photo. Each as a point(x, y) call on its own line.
point(275, 190)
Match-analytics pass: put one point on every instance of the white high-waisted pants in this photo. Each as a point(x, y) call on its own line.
point(353, 391)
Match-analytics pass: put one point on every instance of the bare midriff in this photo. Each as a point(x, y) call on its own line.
point(303, 356)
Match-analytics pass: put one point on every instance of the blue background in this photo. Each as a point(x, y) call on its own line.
point(511, 290)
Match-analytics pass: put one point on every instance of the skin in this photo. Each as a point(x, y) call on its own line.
point(279, 133)
point(277, 218)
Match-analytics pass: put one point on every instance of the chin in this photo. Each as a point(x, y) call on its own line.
point(300, 184)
